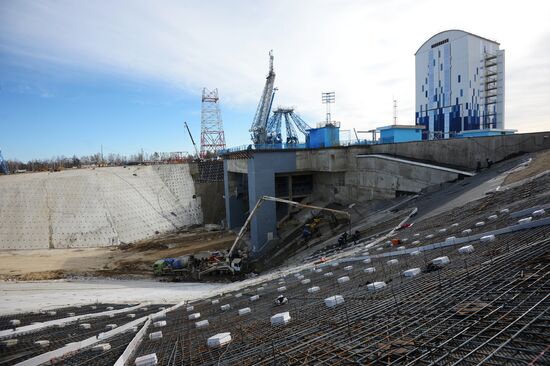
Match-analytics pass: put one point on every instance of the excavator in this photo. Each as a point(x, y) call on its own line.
point(230, 264)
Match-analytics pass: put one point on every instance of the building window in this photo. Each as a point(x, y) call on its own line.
point(438, 53)
point(441, 67)
point(422, 87)
point(456, 100)
point(459, 78)
point(434, 61)
point(475, 77)
point(466, 105)
point(461, 92)
point(426, 81)
point(439, 83)
point(426, 93)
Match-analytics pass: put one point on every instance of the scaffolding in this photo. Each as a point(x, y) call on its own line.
point(490, 90)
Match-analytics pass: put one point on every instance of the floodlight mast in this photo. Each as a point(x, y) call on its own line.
point(328, 98)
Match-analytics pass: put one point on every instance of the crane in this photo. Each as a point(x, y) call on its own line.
point(288, 202)
point(258, 129)
point(3, 165)
point(192, 140)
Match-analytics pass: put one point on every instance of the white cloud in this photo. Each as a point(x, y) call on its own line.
point(363, 50)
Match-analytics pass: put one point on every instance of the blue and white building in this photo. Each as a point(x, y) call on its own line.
point(459, 85)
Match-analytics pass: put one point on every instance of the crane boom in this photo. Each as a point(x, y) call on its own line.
point(192, 140)
point(281, 200)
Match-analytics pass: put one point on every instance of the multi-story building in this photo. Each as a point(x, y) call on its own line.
point(459, 85)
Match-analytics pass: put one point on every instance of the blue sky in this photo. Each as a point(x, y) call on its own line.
point(76, 75)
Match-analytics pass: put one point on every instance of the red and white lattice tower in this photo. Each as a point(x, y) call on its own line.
point(212, 136)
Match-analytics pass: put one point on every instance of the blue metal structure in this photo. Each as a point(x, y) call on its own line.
point(3, 165)
point(293, 122)
point(258, 129)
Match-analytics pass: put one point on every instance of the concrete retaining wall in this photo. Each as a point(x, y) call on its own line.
point(99, 207)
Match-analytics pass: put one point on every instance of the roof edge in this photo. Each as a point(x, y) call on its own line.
point(459, 30)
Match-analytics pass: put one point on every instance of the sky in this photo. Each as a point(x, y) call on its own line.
point(125, 75)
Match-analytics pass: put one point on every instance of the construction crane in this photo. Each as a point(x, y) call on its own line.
point(3, 165)
point(258, 129)
point(288, 202)
point(192, 140)
point(291, 119)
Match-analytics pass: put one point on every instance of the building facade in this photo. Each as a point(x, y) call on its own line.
point(459, 84)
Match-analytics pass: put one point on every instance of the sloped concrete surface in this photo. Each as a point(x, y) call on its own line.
point(95, 207)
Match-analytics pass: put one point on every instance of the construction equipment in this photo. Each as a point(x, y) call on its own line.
point(230, 264)
point(192, 140)
point(288, 202)
point(3, 165)
point(291, 119)
point(258, 129)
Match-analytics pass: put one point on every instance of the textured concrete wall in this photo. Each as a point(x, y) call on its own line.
point(91, 208)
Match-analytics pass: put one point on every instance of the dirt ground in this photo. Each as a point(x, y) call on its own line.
point(124, 261)
point(539, 164)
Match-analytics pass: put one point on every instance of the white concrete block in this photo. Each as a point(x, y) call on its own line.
point(392, 262)
point(454, 224)
point(219, 339)
point(379, 249)
point(318, 270)
point(492, 217)
point(487, 238)
point(416, 235)
point(466, 232)
point(131, 316)
point(313, 289)
point(280, 319)
point(109, 308)
point(15, 322)
point(525, 220)
point(111, 326)
point(416, 242)
point(244, 311)
point(194, 316)
point(369, 270)
point(415, 253)
point(260, 289)
point(190, 308)
point(450, 239)
point(202, 323)
point(158, 317)
point(70, 314)
point(367, 260)
point(401, 248)
point(42, 343)
point(215, 302)
point(411, 272)
point(225, 307)
point(429, 236)
point(147, 360)
point(480, 223)
point(328, 274)
point(444, 230)
point(52, 313)
point(441, 261)
point(467, 249)
point(281, 289)
point(254, 298)
point(85, 326)
point(102, 347)
point(376, 286)
point(9, 342)
point(538, 213)
point(504, 211)
point(348, 268)
point(333, 301)
point(155, 335)
point(305, 281)
point(238, 295)
point(343, 279)
point(161, 323)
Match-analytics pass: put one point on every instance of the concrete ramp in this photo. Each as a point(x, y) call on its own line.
point(95, 207)
point(384, 176)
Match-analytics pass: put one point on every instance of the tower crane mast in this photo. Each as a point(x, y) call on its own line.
point(258, 129)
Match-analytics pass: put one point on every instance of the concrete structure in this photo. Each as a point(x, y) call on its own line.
point(100, 207)
point(400, 133)
point(354, 173)
point(459, 84)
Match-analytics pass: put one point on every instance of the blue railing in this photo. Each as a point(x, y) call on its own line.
point(284, 146)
